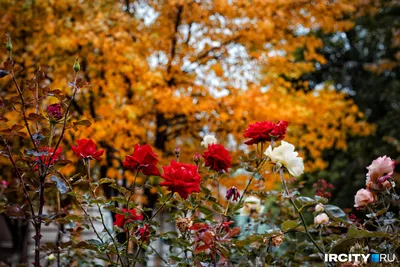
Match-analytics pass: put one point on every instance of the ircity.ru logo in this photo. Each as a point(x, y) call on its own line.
point(360, 258)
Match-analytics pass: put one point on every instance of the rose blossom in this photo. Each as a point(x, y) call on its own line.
point(54, 111)
point(143, 158)
point(121, 219)
point(265, 131)
point(181, 178)
point(380, 170)
point(364, 197)
point(284, 155)
point(217, 158)
point(208, 140)
point(86, 149)
point(321, 219)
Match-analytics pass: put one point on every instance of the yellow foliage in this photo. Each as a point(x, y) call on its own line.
point(148, 72)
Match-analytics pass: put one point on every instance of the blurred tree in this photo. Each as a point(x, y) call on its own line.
point(167, 72)
point(364, 62)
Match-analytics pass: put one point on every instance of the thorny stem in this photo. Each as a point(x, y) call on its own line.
point(162, 206)
point(298, 211)
point(20, 178)
point(158, 254)
point(43, 175)
point(24, 112)
point(258, 168)
point(88, 216)
point(101, 215)
point(37, 222)
point(133, 187)
point(137, 255)
point(75, 90)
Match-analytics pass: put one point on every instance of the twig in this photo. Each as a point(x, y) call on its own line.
point(299, 212)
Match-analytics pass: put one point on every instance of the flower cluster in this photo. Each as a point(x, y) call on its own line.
point(265, 131)
point(378, 178)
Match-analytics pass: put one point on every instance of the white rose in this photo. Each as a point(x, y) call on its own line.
point(321, 218)
point(208, 140)
point(284, 155)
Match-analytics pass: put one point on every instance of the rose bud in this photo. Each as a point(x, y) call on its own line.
point(321, 219)
point(54, 111)
point(232, 193)
point(319, 208)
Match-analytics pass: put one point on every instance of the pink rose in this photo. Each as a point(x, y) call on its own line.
point(364, 197)
point(380, 169)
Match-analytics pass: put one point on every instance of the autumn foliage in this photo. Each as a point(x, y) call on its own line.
point(168, 72)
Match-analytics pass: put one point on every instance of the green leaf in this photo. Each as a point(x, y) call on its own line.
point(60, 184)
point(106, 181)
point(336, 213)
point(353, 232)
point(289, 224)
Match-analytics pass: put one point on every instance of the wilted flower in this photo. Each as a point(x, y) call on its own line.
point(364, 197)
point(284, 155)
point(181, 178)
point(277, 240)
point(197, 158)
point(319, 208)
point(183, 224)
point(217, 158)
point(265, 131)
point(321, 219)
point(87, 149)
point(208, 140)
point(54, 111)
point(232, 193)
point(177, 152)
point(143, 158)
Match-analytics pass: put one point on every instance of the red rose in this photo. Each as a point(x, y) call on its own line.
point(121, 220)
point(47, 154)
point(264, 131)
point(181, 178)
point(86, 149)
point(144, 233)
point(143, 158)
point(55, 111)
point(217, 158)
